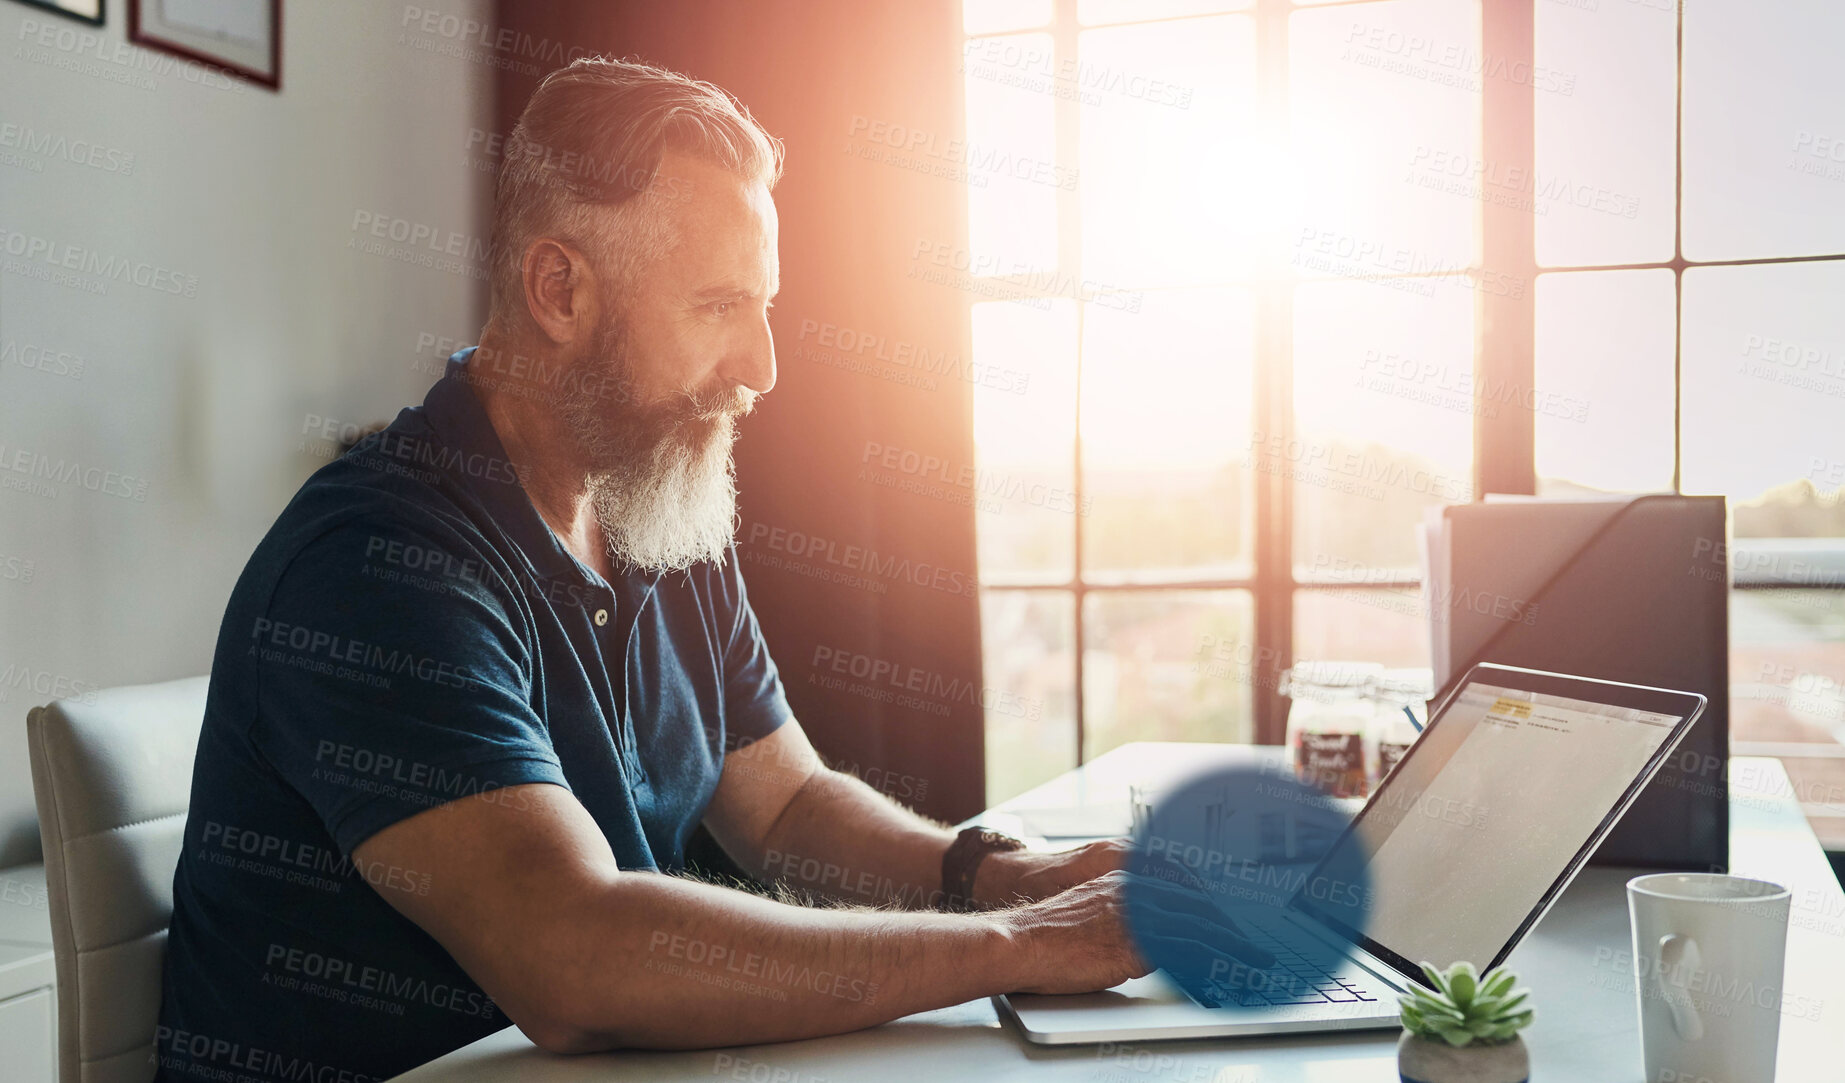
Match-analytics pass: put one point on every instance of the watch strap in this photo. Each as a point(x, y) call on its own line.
point(962, 860)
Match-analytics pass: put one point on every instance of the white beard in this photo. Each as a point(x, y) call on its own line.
point(660, 472)
point(676, 509)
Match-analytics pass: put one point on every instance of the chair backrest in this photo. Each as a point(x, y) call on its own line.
point(112, 775)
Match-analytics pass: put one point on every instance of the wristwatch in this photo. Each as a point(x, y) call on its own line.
point(962, 860)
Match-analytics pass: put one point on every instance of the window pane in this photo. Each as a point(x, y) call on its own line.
point(1377, 116)
point(1166, 666)
point(1024, 438)
point(1012, 218)
point(1764, 391)
point(1764, 129)
point(1029, 640)
point(1384, 419)
point(1787, 685)
point(992, 16)
point(1603, 399)
point(1097, 12)
point(1170, 177)
point(1603, 187)
point(1361, 624)
point(1166, 415)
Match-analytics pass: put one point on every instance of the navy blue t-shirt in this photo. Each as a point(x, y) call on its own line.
point(410, 632)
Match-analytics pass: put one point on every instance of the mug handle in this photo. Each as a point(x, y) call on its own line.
point(1676, 959)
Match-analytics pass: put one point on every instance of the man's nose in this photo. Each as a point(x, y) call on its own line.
point(752, 362)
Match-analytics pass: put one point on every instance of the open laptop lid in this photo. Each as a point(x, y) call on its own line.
point(1515, 780)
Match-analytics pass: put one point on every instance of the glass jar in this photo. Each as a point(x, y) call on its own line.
point(1329, 709)
point(1391, 730)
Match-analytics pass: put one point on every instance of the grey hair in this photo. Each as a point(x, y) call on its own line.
point(591, 139)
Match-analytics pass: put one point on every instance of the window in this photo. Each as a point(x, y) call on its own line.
point(1687, 306)
point(1281, 257)
point(1195, 232)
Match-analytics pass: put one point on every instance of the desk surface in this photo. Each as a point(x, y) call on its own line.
point(1586, 1029)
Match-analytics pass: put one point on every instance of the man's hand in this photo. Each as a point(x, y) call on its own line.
point(1077, 941)
point(1020, 876)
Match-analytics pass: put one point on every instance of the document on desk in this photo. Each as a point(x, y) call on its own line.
point(1098, 821)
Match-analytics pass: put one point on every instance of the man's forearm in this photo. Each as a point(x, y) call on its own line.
point(843, 839)
point(661, 962)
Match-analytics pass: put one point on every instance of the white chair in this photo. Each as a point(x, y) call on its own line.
point(112, 775)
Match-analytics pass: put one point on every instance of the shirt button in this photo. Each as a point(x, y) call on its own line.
point(602, 617)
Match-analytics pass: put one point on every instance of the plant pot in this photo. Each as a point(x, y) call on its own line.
point(1421, 1060)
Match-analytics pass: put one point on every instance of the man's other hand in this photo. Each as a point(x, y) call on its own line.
point(1020, 876)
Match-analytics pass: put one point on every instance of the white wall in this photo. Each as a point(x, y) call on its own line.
point(203, 398)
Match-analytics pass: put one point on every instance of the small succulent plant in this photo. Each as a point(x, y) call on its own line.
point(1465, 1008)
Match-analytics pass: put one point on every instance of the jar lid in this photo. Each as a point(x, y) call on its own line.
point(1410, 683)
point(1331, 676)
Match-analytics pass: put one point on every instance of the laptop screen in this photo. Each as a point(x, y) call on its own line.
point(1467, 836)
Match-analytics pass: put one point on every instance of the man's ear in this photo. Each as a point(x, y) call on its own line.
point(559, 290)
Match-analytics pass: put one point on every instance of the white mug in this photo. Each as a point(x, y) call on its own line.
point(1708, 957)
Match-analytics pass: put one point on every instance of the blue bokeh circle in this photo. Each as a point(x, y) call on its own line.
point(1235, 879)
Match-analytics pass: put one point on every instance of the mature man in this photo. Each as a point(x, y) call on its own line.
point(491, 669)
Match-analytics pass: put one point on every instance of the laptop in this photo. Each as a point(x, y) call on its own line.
point(1469, 840)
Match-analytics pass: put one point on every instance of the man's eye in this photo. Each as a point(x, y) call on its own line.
point(721, 308)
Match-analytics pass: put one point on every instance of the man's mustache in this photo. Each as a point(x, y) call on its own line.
point(733, 402)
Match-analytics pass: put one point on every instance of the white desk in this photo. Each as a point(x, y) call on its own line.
point(1586, 1028)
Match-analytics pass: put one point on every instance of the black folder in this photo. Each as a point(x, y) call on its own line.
point(1634, 590)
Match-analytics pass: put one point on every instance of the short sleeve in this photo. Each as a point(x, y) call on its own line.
point(754, 702)
point(392, 676)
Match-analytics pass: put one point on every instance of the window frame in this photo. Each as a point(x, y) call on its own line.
point(1505, 325)
point(1271, 583)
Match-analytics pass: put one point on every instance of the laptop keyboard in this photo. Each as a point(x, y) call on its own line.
point(1293, 980)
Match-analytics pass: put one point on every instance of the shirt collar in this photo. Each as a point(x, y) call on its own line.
point(460, 420)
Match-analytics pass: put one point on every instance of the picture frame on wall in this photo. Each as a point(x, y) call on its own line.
point(239, 37)
point(84, 11)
